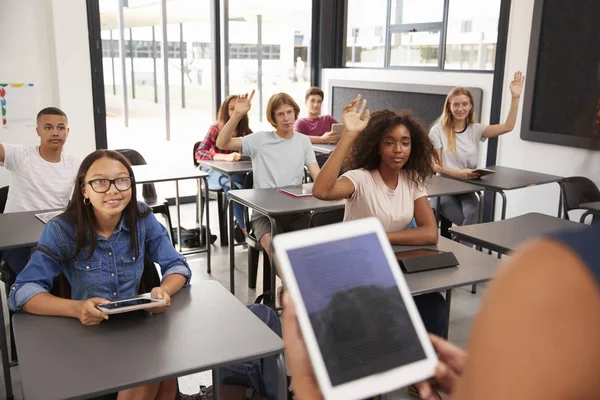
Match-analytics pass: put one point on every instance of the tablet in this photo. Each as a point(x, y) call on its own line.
point(128, 304)
point(358, 319)
point(302, 191)
point(419, 260)
point(47, 216)
point(484, 171)
point(337, 129)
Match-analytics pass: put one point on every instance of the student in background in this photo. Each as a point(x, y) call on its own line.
point(517, 348)
point(456, 139)
point(388, 158)
point(316, 127)
point(278, 157)
point(42, 176)
point(208, 150)
point(103, 208)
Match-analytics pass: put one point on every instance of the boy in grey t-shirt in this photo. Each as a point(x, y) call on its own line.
point(278, 157)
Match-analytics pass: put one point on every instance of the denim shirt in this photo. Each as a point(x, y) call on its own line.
point(112, 272)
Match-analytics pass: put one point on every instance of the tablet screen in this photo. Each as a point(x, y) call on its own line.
point(403, 255)
point(125, 303)
point(355, 308)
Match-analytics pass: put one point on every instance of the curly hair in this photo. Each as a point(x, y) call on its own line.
point(365, 150)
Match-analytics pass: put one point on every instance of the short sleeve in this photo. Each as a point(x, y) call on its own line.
point(356, 176)
point(309, 153)
point(418, 191)
point(435, 136)
point(300, 126)
point(250, 144)
point(14, 156)
point(478, 132)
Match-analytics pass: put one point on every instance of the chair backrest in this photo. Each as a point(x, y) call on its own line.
point(327, 217)
point(196, 145)
point(577, 190)
point(3, 197)
point(148, 190)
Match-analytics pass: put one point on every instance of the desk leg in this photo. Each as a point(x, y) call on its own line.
point(4, 354)
point(503, 216)
point(215, 383)
point(207, 235)
point(178, 215)
point(274, 231)
point(282, 377)
point(231, 248)
point(479, 219)
point(448, 301)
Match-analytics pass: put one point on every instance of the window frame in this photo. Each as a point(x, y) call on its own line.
point(390, 29)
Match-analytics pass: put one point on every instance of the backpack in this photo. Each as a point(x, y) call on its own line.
point(258, 375)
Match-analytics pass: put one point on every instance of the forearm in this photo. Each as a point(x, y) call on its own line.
point(220, 157)
point(315, 139)
point(173, 283)
point(420, 236)
point(47, 304)
point(331, 170)
point(224, 138)
point(511, 118)
point(441, 169)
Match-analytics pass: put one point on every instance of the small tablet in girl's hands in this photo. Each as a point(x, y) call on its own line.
point(361, 327)
point(128, 304)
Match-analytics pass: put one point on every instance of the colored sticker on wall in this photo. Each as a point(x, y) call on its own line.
point(2, 92)
point(17, 104)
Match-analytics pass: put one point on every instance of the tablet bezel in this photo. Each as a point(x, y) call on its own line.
point(146, 296)
point(374, 384)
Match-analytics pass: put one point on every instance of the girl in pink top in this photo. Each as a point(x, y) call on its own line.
point(388, 157)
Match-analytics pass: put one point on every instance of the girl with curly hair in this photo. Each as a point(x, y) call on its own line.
point(388, 156)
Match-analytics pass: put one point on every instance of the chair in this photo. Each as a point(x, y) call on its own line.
point(575, 191)
point(149, 191)
point(326, 217)
point(221, 205)
point(254, 248)
point(8, 277)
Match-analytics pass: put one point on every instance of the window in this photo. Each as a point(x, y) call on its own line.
point(410, 33)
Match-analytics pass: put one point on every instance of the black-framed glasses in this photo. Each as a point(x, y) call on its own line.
point(102, 185)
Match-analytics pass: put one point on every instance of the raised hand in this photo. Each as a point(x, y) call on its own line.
point(243, 103)
point(516, 86)
point(351, 114)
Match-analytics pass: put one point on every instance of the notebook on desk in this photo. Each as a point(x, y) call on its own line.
point(47, 216)
point(483, 171)
point(304, 191)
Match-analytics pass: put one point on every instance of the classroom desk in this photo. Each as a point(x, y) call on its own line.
point(271, 203)
point(152, 173)
point(323, 148)
point(474, 267)
point(60, 358)
point(229, 168)
point(506, 235)
point(592, 208)
point(20, 229)
point(438, 185)
point(507, 178)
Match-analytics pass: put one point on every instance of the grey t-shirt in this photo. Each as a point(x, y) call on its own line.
point(276, 161)
point(467, 146)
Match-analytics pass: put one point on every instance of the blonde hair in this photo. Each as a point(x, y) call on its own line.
point(278, 100)
point(447, 120)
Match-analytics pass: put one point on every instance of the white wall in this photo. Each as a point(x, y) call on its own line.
point(540, 157)
point(48, 46)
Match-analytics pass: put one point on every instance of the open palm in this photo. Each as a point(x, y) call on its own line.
point(516, 86)
point(244, 103)
point(351, 114)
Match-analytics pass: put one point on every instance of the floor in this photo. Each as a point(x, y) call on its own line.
point(464, 304)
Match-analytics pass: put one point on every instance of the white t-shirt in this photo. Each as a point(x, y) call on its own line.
point(372, 198)
point(467, 146)
point(276, 161)
point(37, 184)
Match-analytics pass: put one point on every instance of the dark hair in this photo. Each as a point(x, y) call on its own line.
point(278, 100)
point(51, 111)
point(313, 91)
point(243, 127)
point(82, 216)
point(365, 150)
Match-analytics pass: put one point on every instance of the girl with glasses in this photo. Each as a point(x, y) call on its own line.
point(99, 243)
